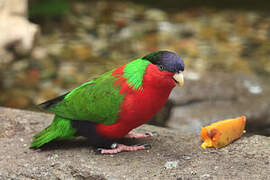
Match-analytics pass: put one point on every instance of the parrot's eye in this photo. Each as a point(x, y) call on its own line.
point(161, 68)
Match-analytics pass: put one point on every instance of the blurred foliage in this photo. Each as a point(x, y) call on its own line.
point(47, 8)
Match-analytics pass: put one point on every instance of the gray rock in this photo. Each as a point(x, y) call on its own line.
point(163, 115)
point(247, 158)
point(211, 97)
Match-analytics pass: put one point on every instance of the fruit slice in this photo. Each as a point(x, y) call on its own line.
point(222, 133)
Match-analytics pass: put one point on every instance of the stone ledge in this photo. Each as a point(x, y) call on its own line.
point(247, 158)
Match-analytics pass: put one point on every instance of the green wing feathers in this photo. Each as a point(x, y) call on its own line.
point(96, 101)
point(59, 129)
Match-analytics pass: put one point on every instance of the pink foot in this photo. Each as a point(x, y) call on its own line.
point(135, 135)
point(121, 147)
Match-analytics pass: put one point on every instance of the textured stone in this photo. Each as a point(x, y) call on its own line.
point(217, 96)
point(174, 155)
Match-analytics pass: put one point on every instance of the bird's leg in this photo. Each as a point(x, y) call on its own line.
point(117, 148)
point(137, 136)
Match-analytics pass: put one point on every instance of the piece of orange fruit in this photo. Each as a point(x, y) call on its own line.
point(222, 133)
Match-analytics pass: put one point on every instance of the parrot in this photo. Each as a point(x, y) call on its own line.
point(107, 108)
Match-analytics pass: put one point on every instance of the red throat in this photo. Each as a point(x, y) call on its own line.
point(140, 105)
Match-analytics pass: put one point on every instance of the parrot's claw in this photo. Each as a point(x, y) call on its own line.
point(121, 147)
point(114, 145)
point(137, 136)
point(99, 150)
point(146, 146)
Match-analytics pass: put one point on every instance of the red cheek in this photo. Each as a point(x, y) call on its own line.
point(157, 78)
point(167, 74)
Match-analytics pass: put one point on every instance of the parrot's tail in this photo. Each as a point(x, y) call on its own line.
point(59, 129)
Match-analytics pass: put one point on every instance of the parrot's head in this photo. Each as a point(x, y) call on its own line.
point(168, 64)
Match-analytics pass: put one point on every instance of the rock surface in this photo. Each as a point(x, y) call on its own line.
point(174, 155)
point(214, 96)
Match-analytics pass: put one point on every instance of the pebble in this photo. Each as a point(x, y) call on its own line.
point(186, 157)
point(253, 88)
point(205, 176)
point(171, 164)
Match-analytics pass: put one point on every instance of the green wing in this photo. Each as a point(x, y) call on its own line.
point(96, 101)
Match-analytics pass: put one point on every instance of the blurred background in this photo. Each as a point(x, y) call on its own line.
point(49, 47)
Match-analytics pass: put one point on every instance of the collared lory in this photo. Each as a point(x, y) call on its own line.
point(107, 108)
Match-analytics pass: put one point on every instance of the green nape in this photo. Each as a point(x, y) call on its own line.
point(134, 72)
point(59, 129)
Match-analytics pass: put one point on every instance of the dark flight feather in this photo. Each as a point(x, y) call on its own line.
point(52, 102)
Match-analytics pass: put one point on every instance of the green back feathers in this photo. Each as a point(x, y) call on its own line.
point(99, 100)
point(134, 73)
point(96, 101)
point(96, 80)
